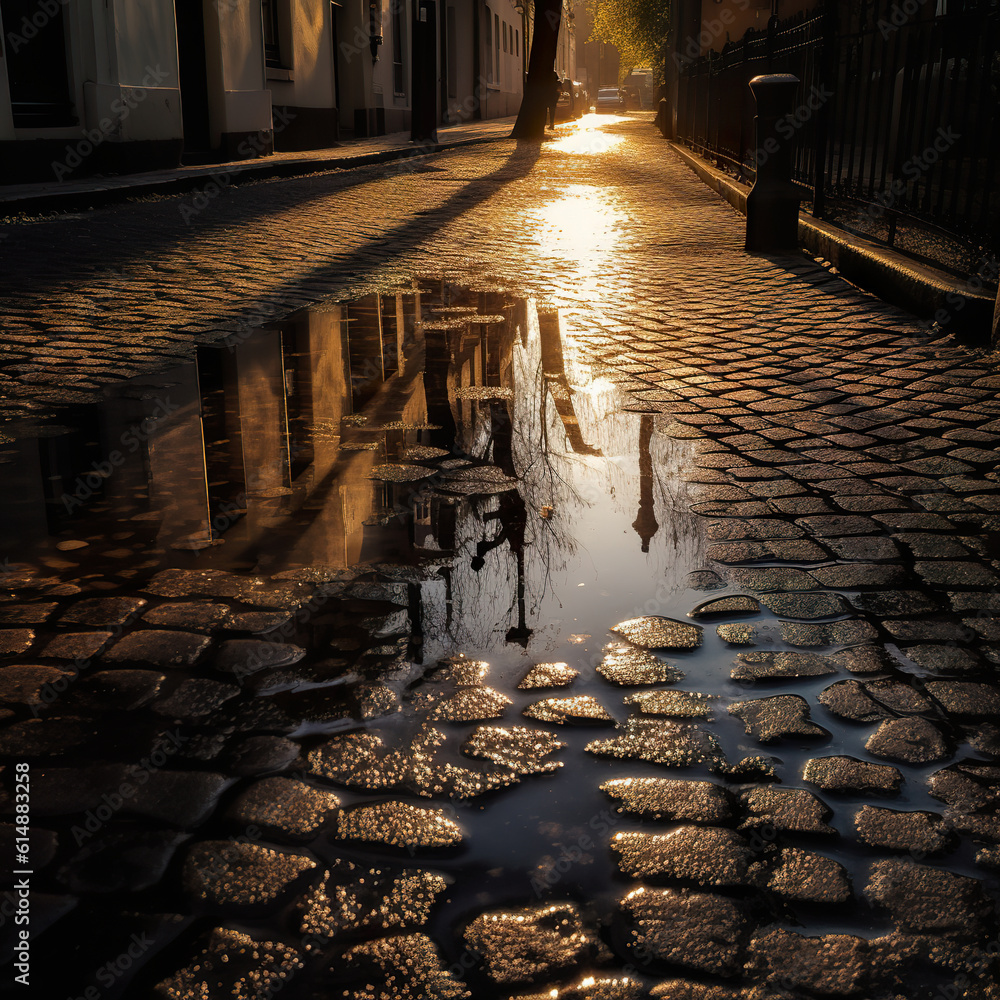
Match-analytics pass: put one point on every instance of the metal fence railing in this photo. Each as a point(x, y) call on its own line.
point(895, 127)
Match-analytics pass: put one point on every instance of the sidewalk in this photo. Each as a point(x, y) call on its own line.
point(896, 277)
point(88, 192)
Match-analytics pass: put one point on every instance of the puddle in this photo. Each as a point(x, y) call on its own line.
point(427, 473)
point(451, 440)
point(354, 435)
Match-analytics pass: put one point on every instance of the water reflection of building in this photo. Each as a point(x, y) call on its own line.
point(390, 429)
point(289, 422)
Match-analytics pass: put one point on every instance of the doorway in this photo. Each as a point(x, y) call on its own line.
point(193, 68)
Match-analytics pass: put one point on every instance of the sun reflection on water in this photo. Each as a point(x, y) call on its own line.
point(588, 136)
point(581, 229)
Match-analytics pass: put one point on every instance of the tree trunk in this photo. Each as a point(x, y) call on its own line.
point(530, 122)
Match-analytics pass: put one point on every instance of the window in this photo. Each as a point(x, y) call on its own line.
point(517, 43)
point(496, 42)
point(37, 64)
point(452, 54)
point(505, 36)
point(398, 82)
point(272, 33)
point(489, 47)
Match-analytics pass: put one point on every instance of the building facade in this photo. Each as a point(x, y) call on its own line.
point(479, 57)
point(116, 86)
point(566, 47)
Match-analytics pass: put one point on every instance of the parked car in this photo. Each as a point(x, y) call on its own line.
point(608, 101)
point(564, 108)
point(573, 101)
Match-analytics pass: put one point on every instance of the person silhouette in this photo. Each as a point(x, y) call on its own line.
point(513, 516)
point(554, 93)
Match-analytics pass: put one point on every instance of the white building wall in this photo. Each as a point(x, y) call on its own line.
point(304, 88)
point(460, 62)
point(566, 48)
point(137, 82)
point(501, 69)
point(122, 75)
point(125, 77)
point(355, 64)
point(396, 103)
point(235, 44)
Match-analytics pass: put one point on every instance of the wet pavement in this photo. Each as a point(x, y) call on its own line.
point(575, 607)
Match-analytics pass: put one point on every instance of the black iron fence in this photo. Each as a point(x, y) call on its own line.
point(895, 126)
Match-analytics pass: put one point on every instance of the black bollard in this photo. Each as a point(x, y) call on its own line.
point(663, 118)
point(773, 201)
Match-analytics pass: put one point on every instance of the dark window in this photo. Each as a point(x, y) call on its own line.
point(37, 66)
point(496, 42)
point(272, 33)
point(452, 53)
point(398, 82)
point(517, 43)
point(489, 47)
point(505, 36)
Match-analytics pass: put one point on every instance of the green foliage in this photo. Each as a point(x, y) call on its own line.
point(637, 28)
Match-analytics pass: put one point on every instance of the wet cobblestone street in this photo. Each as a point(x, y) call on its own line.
point(478, 577)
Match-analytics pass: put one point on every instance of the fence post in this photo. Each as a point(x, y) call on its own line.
point(829, 64)
point(773, 201)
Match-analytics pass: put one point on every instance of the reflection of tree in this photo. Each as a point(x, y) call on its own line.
point(505, 385)
point(534, 434)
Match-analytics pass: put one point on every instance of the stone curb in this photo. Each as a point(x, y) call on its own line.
point(921, 290)
point(110, 190)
